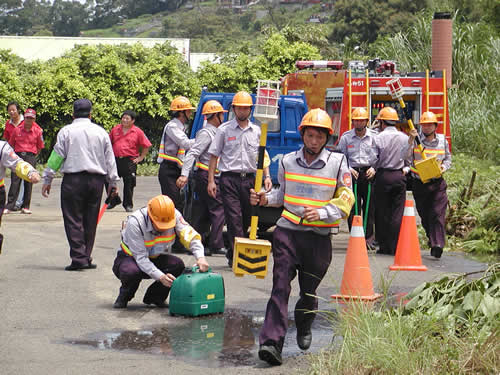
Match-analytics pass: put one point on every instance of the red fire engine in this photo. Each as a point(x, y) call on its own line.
point(327, 85)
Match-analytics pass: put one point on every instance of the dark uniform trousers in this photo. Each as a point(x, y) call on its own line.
point(235, 192)
point(167, 175)
point(127, 170)
point(362, 197)
point(126, 269)
point(81, 195)
point(2, 206)
point(431, 201)
point(390, 194)
point(208, 210)
point(16, 182)
point(309, 254)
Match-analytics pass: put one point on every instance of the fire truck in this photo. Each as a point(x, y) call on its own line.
point(328, 85)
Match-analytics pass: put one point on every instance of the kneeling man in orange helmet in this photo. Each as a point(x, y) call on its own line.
point(147, 239)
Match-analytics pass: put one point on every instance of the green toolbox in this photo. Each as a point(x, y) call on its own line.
point(197, 293)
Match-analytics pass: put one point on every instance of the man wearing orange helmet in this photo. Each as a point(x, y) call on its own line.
point(315, 190)
point(209, 209)
point(147, 238)
point(234, 148)
point(358, 145)
point(431, 198)
point(390, 183)
point(173, 146)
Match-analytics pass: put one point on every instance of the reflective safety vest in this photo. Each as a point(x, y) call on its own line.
point(2, 182)
point(438, 151)
point(200, 165)
point(176, 159)
point(309, 187)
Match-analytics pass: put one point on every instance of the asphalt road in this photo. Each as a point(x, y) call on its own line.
point(58, 322)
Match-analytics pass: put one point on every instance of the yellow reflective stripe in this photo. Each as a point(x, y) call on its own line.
point(162, 146)
point(414, 170)
point(430, 151)
point(315, 180)
point(171, 158)
point(125, 249)
point(181, 151)
point(204, 167)
point(299, 221)
point(160, 239)
point(2, 182)
point(300, 201)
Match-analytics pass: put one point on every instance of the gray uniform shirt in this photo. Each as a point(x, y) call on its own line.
point(139, 228)
point(360, 152)
point(85, 147)
point(391, 146)
point(173, 139)
point(199, 150)
point(236, 148)
point(8, 159)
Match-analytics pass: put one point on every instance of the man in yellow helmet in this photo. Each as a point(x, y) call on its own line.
point(358, 145)
point(209, 209)
point(315, 190)
point(390, 183)
point(431, 198)
point(235, 147)
point(173, 146)
point(147, 239)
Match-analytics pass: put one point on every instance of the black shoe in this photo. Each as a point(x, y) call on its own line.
point(230, 263)
point(161, 305)
point(129, 209)
point(120, 303)
point(221, 251)
point(436, 251)
point(270, 354)
point(304, 339)
point(78, 267)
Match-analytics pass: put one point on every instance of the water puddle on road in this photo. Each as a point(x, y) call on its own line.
point(224, 340)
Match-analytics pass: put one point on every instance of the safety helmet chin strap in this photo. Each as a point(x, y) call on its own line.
point(308, 150)
point(359, 130)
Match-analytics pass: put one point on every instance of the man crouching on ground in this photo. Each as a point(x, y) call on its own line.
point(147, 239)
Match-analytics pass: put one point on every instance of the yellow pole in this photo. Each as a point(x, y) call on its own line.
point(350, 100)
point(426, 90)
point(367, 91)
point(258, 179)
point(445, 102)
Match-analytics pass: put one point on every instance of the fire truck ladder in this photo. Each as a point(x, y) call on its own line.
point(359, 93)
point(439, 111)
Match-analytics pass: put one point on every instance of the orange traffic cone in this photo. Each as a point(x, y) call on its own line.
point(357, 279)
point(408, 249)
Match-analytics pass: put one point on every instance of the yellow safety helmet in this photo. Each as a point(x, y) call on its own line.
point(181, 103)
point(360, 113)
point(428, 118)
point(161, 210)
point(317, 118)
point(242, 99)
point(388, 114)
point(212, 106)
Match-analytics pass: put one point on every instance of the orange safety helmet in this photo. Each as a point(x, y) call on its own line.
point(212, 106)
point(161, 210)
point(388, 114)
point(317, 118)
point(181, 103)
point(242, 99)
point(428, 118)
point(360, 113)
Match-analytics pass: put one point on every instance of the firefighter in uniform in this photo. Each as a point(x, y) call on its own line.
point(209, 210)
point(315, 190)
point(235, 148)
point(84, 154)
point(390, 182)
point(358, 145)
point(430, 198)
point(147, 238)
point(24, 170)
point(173, 146)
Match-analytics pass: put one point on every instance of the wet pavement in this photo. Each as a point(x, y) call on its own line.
point(57, 322)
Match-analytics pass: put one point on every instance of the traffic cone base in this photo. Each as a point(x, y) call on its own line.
point(357, 282)
point(408, 249)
